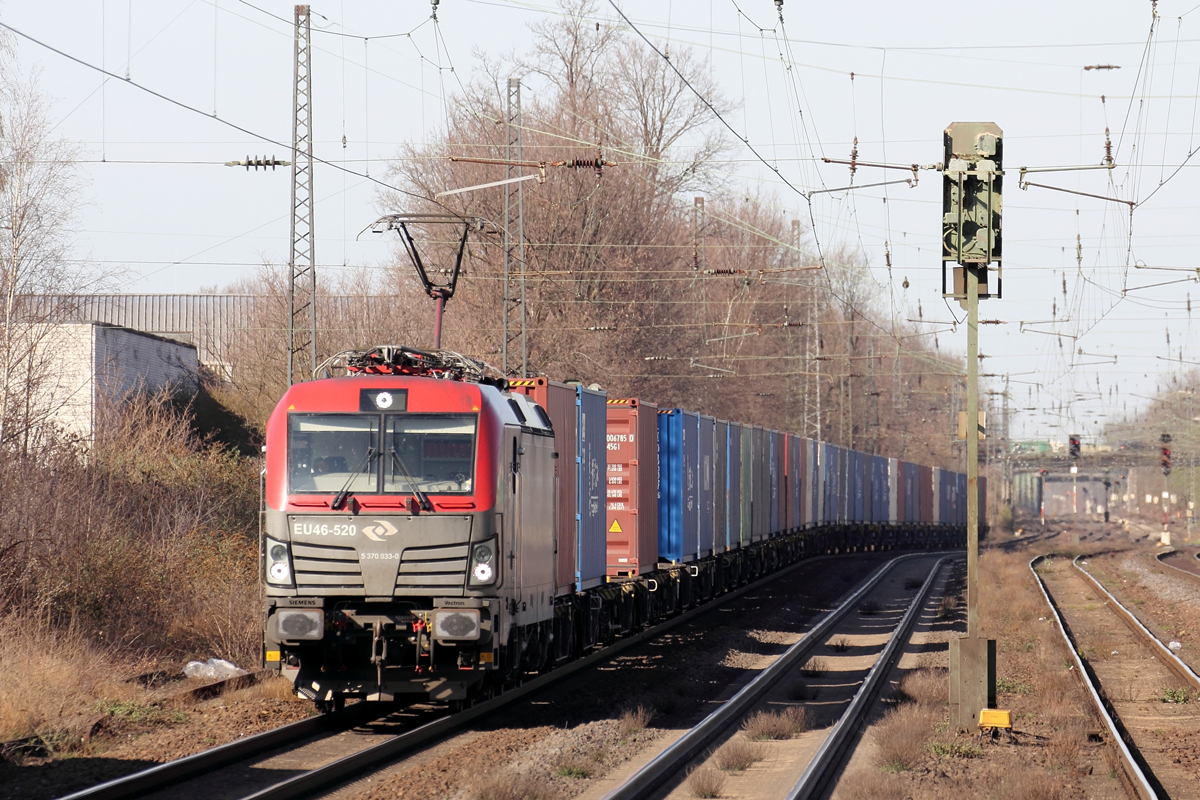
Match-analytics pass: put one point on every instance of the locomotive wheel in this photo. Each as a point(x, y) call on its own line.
point(331, 706)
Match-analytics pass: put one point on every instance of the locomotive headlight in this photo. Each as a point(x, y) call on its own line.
point(279, 567)
point(483, 563)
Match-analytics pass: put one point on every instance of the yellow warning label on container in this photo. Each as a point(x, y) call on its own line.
point(485, 658)
point(615, 527)
point(272, 655)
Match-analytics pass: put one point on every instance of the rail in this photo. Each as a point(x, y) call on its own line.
point(829, 757)
point(1131, 766)
point(1160, 650)
point(306, 783)
point(1193, 575)
point(671, 761)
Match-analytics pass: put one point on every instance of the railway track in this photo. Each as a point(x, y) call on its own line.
point(351, 743)
point(669, 766)
point(1181, 561)
point(1131, 677)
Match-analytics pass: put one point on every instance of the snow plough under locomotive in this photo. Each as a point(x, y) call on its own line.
point(433, 531)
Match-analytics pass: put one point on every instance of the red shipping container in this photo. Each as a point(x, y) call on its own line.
point(632, 487)
point(558, 400)
point(926, 474)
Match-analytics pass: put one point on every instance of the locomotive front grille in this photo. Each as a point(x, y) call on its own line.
point(331, 570)
point(425, 569)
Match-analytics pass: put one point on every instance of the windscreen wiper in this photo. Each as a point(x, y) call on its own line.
point(421, 498)
point(364, 466)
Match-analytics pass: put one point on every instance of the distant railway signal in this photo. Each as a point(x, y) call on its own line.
point(1073, 445)
point(972, 185)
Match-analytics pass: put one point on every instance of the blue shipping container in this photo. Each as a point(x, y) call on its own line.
point(831, 472)
point(912, 493)
point(678, 517)
point(706, 469)
point(721, 487)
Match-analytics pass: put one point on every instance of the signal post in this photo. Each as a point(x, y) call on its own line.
point(972, 184)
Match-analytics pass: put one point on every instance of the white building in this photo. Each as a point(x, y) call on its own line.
point(88, 365)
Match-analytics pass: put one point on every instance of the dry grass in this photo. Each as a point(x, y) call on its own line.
point(815, 667)
point(513, 787)
point(274, 687)
point(704, 782)
point(928, 686)
point(1032, 784)
point(738, 754)
point(762, 725)
point(632, 721)
point(947, 606)
point(51, 682)
point(1066, 743)
point(839, 644)
point(901, 736)
point(869, 608)
point(147, 545)
point(869, 783)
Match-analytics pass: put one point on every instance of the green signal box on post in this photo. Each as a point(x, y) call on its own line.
point(972, 195)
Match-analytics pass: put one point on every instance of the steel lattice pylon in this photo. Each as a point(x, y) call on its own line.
point(514, 235)
point(302, 291)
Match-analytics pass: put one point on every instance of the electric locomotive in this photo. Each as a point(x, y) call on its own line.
point(409, 531)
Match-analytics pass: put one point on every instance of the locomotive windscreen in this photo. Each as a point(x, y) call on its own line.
point(325, 451)
point(434, 452)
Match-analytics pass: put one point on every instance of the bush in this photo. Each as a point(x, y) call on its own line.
point(513, 787)
point(632, 721)
point(704, 782)
point(738, 754)
point(814, 668)
point(776, 724)
point(901, 736)
point(145, 543)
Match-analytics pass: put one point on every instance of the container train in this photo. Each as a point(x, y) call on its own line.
point(436, 532)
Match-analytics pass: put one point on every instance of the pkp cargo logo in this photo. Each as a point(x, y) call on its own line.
point(380, 530)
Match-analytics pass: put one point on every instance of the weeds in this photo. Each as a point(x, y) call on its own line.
point(901, 735)
point(1010, 686)
point(869, 783)
point(632, 721)
point(738, 754)
point(814, 668)
point(513, 787)
point(926, 686)
point(912, 583)
point(138, 712)
point(869, 608)
point(840, 644)
point(763, 725)
point(1179, 694)
point(1065, 744)
point(1032, 785)
point(704, 782)
point(953, 750)
point(573, 770)
point(947, 606)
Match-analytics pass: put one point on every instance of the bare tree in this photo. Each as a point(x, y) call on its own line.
point(39, 206)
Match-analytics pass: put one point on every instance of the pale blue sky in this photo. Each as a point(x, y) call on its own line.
point(182, 221)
